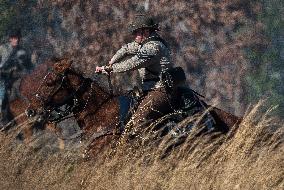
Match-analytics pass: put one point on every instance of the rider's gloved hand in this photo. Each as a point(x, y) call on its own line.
point(99, 69)
point(103, 69)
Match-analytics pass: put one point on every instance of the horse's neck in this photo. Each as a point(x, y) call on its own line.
point(95, 89)
point(100, 94)
point(101, 113)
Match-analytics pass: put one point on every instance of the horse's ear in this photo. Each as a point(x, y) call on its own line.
point(70, 62)
point(62, 65)
point(66, 62)
point(55, 59)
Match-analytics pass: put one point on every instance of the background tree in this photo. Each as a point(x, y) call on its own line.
point(266, 62)
point(7, 12)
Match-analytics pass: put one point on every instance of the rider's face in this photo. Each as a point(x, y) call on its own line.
point(141, 35)
point(14, 41)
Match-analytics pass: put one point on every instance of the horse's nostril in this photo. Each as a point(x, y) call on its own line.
point(30, 112)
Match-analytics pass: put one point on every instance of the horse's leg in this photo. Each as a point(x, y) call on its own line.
point(28, 133)
point(53, 128)
point(100, 144)
point(25, 134)
point(100, 127)
point(29, 129)
point(6, 112)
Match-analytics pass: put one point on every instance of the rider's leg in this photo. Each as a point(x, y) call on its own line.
point(124, 106)
point(2, 96)
point(154, 105)
point(5, 114)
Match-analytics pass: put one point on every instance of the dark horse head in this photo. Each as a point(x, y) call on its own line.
point(58, 88)
point(65, 93)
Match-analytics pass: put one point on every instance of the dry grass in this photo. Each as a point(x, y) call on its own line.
point(248, 157)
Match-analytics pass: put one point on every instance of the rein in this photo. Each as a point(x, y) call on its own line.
point(107, 99)
point(41, 84)
point(110, 85)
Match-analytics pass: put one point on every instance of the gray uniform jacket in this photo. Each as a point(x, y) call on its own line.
point(150, 60)
point(12, 59)
point(5, 52)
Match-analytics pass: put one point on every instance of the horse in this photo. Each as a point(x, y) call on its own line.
point(25, 87)
point(94, 107)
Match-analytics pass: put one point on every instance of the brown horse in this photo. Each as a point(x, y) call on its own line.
point(95, 109)
point(28, 85)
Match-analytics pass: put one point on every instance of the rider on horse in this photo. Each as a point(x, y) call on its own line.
point(150, 55)
point(14, 62)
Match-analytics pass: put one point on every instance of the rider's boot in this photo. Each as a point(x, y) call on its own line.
point(5, 117)
point(1, 116)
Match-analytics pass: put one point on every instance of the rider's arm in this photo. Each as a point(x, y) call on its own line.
point(126, 50)
point(2, 50)
point(5, 52)
point(24, 60)
point(147, 55)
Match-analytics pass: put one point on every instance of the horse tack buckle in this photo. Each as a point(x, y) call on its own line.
point(137, 93)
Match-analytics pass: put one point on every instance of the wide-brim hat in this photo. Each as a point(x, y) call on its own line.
point(143, 21)
point(15, 33)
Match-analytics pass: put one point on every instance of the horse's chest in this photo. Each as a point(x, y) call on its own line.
point(107, 116)
point(60, 95)
point(74, 81)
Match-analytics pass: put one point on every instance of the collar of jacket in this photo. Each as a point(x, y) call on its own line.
point(153, 35)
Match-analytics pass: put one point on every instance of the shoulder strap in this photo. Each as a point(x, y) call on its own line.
point(155, 38)
point(152, 72)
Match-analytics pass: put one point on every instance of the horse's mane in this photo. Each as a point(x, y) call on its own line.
point(102, 82)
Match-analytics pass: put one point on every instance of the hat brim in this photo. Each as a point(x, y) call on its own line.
point(133, 28)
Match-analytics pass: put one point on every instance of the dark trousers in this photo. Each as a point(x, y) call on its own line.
point(124, 106)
